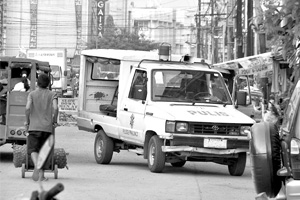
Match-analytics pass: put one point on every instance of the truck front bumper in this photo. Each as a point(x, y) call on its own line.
point(191, 150)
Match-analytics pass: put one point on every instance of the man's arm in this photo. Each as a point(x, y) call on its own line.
point(55, 108)
point(27, 109)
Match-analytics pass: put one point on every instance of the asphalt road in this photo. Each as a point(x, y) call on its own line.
point(126, 177)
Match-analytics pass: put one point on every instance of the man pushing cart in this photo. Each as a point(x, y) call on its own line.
point(41, 118)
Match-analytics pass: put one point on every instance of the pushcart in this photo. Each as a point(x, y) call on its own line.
point(56, 160)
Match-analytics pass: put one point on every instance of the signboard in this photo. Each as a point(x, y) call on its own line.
point(67, 110)
point(100, 17)
point(1, 24)
point(33, 24)
point(258, 64)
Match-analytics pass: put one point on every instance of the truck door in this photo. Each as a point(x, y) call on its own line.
point(244, 95)
point(132, 112)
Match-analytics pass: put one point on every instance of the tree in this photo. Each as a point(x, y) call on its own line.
point(281, 22)
point(116, 38)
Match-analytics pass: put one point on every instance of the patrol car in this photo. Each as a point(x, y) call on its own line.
point(163, 107)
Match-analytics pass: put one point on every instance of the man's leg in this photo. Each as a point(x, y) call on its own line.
point(34, 157)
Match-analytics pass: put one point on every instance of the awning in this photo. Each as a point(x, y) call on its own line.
point(249, 65)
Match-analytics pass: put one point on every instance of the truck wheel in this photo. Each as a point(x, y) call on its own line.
point(178, 164)
point(265, 155)
point(103, 148)
point(156, 158)
point(237, 168)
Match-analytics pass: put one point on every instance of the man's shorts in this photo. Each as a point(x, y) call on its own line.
point(35, 141)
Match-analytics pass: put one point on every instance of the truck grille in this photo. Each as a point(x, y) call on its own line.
point(211, 128)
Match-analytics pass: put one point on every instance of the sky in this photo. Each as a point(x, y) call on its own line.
point(179, 4)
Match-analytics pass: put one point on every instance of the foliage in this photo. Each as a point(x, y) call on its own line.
point(282, 22)
point(115, 38)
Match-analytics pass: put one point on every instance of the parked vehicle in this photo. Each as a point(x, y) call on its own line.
point(275, 154)
point(255, 68)
point(165, 108)
point(57, 57)
point(15, 101)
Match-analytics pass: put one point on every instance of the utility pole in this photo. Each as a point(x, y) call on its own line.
point(212, 31)
point(250, 35)
point(198, 24)
point(229, 30)
point(239, 32)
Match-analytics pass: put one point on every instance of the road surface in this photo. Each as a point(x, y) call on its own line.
point(126, 177)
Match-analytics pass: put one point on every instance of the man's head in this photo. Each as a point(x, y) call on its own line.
point(43, 81)
point(24, 73)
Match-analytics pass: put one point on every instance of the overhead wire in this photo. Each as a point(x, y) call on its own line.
point(48, 23)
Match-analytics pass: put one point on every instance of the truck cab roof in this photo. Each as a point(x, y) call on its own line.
point(129, 55)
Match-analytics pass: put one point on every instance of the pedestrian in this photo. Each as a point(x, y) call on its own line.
point(41, 118)
point(3, 100)
point(24, 84)
point(271, 114)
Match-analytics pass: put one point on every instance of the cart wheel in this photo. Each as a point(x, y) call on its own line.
point(55, 171)
point(23, 170)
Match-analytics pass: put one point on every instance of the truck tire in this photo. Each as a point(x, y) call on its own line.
point(60, 158)
point(237, 168)
point(265, 158)
point(103, 148)
point(156, 158)
point(19, 155)
point(178, 164)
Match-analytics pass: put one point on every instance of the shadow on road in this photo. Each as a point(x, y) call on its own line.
point(189, 169)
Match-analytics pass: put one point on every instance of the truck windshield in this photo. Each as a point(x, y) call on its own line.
point(55, 72)
point(189, 86)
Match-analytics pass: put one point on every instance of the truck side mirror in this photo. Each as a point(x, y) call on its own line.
point(241, 93)
point(241, 98)
point(65, 73)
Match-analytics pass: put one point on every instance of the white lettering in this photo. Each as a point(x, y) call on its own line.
point(100, 4)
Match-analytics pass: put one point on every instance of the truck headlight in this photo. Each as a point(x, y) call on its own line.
point(245, 130)
point(182, 127)
point(172, 127)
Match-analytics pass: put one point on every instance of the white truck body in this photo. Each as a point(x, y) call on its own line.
point(141, 117)
point(58, 63)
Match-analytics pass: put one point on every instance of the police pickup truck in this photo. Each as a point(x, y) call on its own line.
point(162, 107)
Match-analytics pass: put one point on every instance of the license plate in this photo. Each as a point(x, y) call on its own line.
point(215, 143)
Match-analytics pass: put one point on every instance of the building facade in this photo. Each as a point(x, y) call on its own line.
point(71, 24)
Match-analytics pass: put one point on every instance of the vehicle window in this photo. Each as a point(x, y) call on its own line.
point(55, 71)
point(3, 73)
point(297, 124)
point(188, 86)
point(104, 68)
point(291, 109)
point(138, 89)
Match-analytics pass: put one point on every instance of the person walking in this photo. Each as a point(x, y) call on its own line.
point(3, 100)
point(41, 118)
